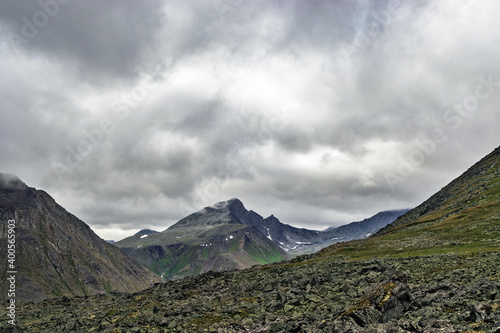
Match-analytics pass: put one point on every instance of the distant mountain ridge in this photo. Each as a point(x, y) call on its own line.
point(145, 232)
point(300, 240)
point(227, 236)
point(367, 227)
point(56, 253)
point(289, 238)
point(213, 238)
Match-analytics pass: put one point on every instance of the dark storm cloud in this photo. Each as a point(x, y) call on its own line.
point(133, 114)
point(98, 37)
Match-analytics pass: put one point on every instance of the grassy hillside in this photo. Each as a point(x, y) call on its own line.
point(463, 217)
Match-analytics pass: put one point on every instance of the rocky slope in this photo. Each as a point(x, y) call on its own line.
point(287, 237)
point(56, 253)
point(317, 293)
point(434, 273)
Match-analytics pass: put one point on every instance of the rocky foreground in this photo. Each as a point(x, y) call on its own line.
point(316, 293)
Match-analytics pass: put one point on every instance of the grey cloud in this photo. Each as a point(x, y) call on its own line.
point(102, 39)
point(211, 128)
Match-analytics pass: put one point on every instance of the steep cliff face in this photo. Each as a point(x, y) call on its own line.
point(56, 253)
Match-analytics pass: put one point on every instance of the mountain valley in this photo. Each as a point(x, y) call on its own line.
point(435, 269)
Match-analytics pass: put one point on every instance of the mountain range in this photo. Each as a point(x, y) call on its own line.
point(228, 236)
point(435, 269)
point(214, 238)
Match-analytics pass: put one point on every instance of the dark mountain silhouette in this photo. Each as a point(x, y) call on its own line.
point(56, 253)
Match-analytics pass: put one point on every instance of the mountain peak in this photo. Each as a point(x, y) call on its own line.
point(11, 182)
point(234, 202)
point(233, 205)
point(16, 194)
point(145, 232)
point(223, 212)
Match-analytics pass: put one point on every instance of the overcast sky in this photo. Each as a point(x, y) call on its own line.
point(133, 114)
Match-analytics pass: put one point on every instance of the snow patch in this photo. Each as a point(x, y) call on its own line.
point(144, 236)
point(302, 243)
point(269, 234)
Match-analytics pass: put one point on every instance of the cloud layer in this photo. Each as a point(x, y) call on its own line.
point(134, 114)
